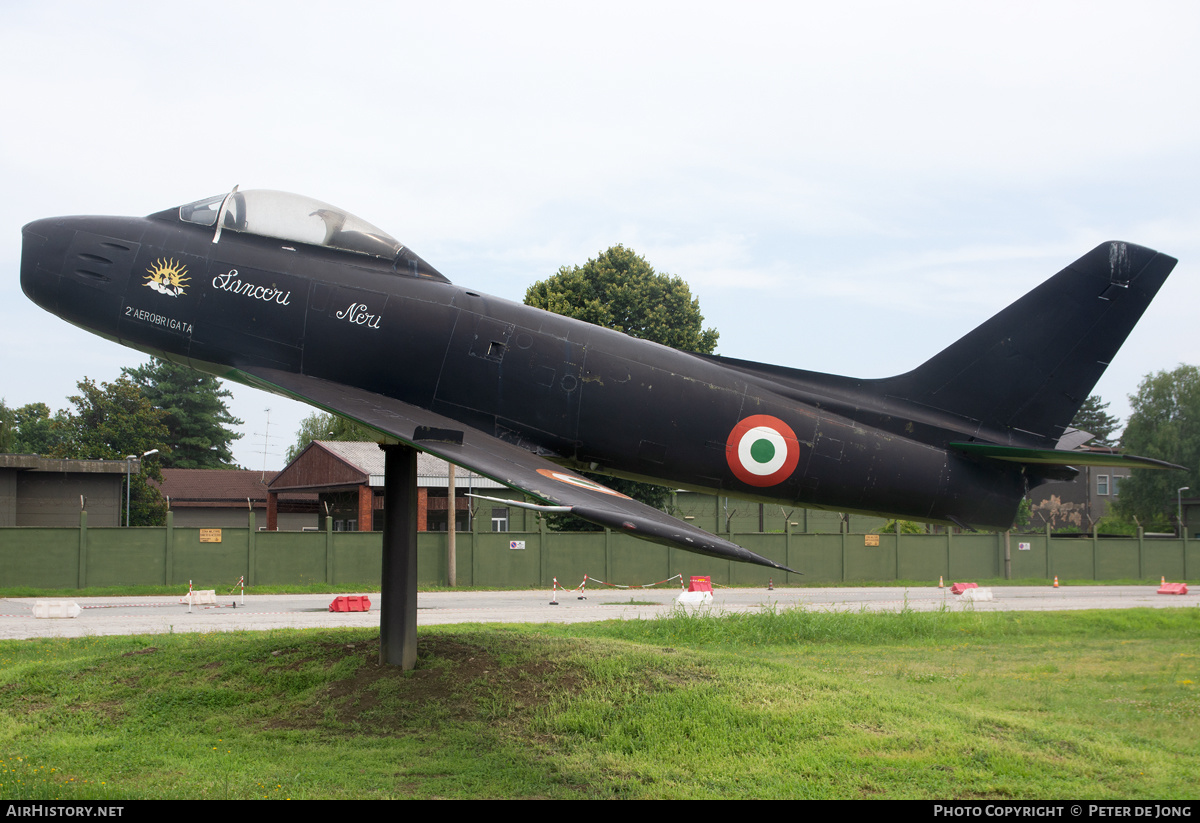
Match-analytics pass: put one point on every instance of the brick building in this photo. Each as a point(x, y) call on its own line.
point(347, 481)
point(224, 498)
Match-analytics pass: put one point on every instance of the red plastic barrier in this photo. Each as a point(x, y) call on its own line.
point(1173, 588)
point(959, 588)
point(351, 603)
point(700, 584)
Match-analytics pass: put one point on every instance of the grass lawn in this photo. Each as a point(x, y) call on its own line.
point(1101, 704)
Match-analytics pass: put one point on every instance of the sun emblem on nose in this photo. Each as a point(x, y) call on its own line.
point(167, 277)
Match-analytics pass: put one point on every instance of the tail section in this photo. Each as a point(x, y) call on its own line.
point(1016, 380)
point(1023, 374)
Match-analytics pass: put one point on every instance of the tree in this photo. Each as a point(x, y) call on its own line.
point(1092, 417)
point(195, 414)
point(319, 426)
point(620, 290)
point(110, 422)
point(36, 430)
point(8, 432)
point(1165, 424)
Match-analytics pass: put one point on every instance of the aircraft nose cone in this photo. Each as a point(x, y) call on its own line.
point(41, 262)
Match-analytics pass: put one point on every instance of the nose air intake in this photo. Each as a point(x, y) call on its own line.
point(39, 276)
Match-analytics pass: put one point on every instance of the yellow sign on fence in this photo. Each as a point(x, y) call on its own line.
point(210, 535)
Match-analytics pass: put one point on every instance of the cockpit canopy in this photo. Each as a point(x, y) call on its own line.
point(299, 219)
point(291, 217)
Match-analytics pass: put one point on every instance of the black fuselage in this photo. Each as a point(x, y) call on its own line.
point(583, 396)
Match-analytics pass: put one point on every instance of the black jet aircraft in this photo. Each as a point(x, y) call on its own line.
point(303, 299)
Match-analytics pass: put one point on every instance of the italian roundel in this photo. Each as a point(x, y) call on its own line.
point(762, 450)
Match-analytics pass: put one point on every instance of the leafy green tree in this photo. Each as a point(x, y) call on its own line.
point(195, 414)
point(8, 432)
point(318, 426)
point(620, 290)
point(1093, 417)
point(1165, 424)
point(36, 432)
point(109, 422)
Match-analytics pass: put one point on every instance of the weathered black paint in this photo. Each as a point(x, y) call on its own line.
point(512, 391)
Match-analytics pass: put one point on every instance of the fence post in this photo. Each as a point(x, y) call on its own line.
point(1184, 530)
point(949, 539)
point(251, 561)
point(607, 553)
point(1095, 549)
point(787, 545)
point(896, 575)
point(842, 535)
point(329, 550)
point(169, 549)
point(1048, 575)
point(543, 550)
point(1141, 535)
point(81, 572)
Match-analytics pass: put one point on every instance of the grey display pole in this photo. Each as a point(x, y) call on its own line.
point(398, 594)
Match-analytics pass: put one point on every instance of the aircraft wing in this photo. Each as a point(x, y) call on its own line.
point(503, 462)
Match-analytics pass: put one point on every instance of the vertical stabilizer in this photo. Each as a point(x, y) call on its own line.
point(1023, 374)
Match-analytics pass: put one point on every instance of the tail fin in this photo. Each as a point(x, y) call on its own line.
point(1027, 370)
point(1019, 378)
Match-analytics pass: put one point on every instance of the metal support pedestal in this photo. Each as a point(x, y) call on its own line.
point(398, 594)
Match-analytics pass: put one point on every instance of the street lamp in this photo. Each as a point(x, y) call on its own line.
point(128, 475)
point(1179, 501)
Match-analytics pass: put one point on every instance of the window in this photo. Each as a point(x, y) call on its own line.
point(1116, 484)
point(1102, 484)
point(500, 520)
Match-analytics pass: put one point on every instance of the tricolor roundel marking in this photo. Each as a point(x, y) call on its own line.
point(581, 482)
point(762, 450)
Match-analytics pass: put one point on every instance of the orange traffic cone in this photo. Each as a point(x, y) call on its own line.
point(941, 583)
point(1164, 581)
point(1056, 581)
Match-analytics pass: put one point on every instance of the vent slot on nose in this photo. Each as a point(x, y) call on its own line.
point(97, 260)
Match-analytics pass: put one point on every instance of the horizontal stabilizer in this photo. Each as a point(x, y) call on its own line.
point(1060, 457)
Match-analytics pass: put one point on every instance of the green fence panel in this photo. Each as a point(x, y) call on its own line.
point(49, 558)
point(921, 558)
point(1026, 562)
point(358, 558)
point(290, 557)
point(495, 564)
point(818, 557)
point(1160, 558)
point(1071, 559)
point(207, 565)
point(40, 558)
point(126, 557)
point(770, 546)
point(865, 562)
point(976, 557)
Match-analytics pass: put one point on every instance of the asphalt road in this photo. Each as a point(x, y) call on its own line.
point(159, 615)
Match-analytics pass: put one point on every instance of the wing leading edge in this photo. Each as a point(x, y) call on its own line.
point(503, 462)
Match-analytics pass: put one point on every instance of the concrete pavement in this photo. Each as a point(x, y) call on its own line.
point(160, 615)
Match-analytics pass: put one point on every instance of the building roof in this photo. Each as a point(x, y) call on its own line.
point(32, 462)
point(216, 487)
point(363, 462)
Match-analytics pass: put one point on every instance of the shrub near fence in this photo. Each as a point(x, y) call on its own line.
point(60, 558)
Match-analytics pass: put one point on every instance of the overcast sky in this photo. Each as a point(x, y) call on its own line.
point(847, 187)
